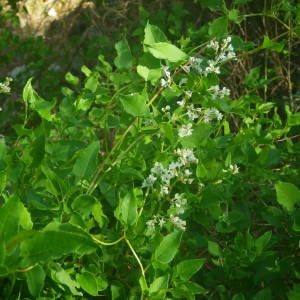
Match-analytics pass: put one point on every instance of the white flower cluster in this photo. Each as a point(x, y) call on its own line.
point(178, 169)
point(223, 52)
point(177, 207)
point(211, 114)
point(185, 130)
point(205, 114)
point(216, 92)
point(4, 86)
point(178, 204)
point(162, 176)
point(166, 81)
point(233, 169)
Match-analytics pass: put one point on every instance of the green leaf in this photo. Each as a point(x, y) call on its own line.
point(86, 71)
point(92, 81)
point(127, 209)
point(83, 204)
point(199, 137)
point(288, 195)
point(262, 242)
point(35, 280)
point(62, 277)
point(135, 104)
point(153, 35)
point(124, 57)
point(159, 286)
point(74, 80)
point(168, 247)
point(166, 51)
point(55, 241)
point(234, 16)
point(88, 283)
point(187, 290)
point(187, 268)
point(269, 44)
point(218, 27)
point(13, 215)
point(149, 68)
point(36, 103)
point(294, 119)
point(213, 248)
point(86, 163)
point(148, 74)
point(143, 284)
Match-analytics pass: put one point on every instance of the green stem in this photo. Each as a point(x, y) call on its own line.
point(108, 244)
point(136, 257)
point(95, 179)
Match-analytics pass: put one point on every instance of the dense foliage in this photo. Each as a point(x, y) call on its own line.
point(169, 171)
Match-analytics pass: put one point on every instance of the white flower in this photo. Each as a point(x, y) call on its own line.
point(149, 181)
point(186, 156)
point(195, 63)
point(185, 130)
point(188, 94)
point(212, 68)
point(166, 71)
point(217, 92)
point(165, 83)
point(164, 190)
point(234, 169)
point(161, 222)
point(167, 176)
point(52, 12)
point(192, 112)
point(181, 103)
point(182, 81)
point(187, 68)
point(214, 45)
point(179, 202)
point(158, 169)
point(4, 86)
point(166, 109)
point(187, 172)
point(151, 224)
point(211, 114)
point(178, 222)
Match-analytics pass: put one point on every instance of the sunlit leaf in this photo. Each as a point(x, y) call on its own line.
point(135, 104)
point(166, 51)
point(124, 57)
point(168, 247)
point(36, 103)
point(288, 195)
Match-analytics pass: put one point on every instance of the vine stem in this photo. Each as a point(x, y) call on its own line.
point(26, 269)
point(110, 243)
point(136, 257)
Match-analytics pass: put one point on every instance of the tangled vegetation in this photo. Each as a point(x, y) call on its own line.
point(157, 157)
